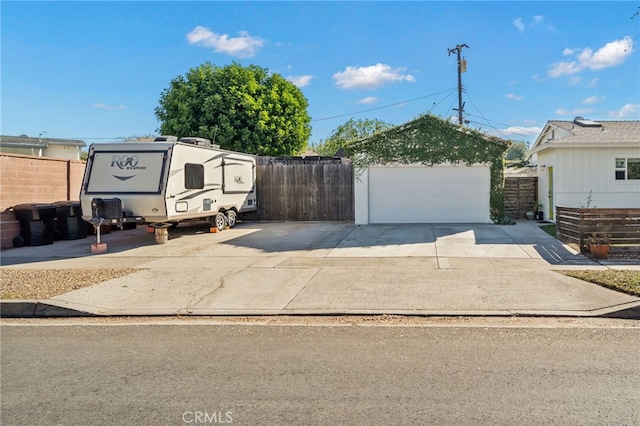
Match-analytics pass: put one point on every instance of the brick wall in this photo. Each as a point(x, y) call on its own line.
point(9, 228)
point(26, 180)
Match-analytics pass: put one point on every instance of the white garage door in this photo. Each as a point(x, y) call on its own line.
point(440, 194)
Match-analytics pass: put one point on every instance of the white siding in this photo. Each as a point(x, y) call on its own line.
point(62, 151)
point(578, 171)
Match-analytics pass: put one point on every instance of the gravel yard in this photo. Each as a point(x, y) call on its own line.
point(47, 283)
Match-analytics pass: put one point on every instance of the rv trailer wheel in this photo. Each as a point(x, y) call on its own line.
point(221, 221)
point(231, 218)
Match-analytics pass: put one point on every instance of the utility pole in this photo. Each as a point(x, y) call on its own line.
point(462, 67)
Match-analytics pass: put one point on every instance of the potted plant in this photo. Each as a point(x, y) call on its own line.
point(537, 210)
point(599, 244)
point(530, 214)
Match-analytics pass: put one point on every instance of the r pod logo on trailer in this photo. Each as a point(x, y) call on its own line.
point(126, 162)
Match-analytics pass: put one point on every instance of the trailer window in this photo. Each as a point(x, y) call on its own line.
point(193, 176)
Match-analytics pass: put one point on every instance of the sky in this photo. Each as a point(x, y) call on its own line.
point(95, 70)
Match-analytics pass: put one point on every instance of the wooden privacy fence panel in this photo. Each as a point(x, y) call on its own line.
point(297, 189)
point(519, 195)
point(575, 224)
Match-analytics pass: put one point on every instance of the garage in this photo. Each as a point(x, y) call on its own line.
point(423, 194)
point(428, 170)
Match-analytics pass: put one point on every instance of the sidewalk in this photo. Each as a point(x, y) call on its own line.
point(328, 268)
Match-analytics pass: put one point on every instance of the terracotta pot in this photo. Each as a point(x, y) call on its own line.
point(599, 251)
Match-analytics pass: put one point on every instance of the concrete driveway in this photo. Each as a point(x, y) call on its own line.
point(332, 268)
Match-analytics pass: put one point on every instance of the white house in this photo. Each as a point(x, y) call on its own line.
point(68, 149)
point(584, 163)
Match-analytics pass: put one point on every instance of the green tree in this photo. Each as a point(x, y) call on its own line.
point(350, 131)
point(517, 151)
point(243, 109)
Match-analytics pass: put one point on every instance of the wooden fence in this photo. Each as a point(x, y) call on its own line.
point(314, 188)
point(519, 195)
point(573, 225)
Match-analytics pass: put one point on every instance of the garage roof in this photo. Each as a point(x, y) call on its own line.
point(428, 140)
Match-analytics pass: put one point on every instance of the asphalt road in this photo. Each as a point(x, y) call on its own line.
point(84, 372)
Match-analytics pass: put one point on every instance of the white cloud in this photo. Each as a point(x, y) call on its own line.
point(244, 46)
point(101, 105)
point(626, 111)
point(300, 80)
point(513, 97)
point(536, 22)
point(592, 100)
point(537, 77)
point(573, 112)
point(609, 55)
point(370, 77)
point(575, 80)
point(368, 100)
point(565, 68)
point(518, 24)
point(521, 131)
point(593, 82)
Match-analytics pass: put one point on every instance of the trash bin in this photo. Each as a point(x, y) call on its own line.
point(71, 226)
point(36, 223)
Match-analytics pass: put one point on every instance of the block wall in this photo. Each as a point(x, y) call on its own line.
point(28, 180)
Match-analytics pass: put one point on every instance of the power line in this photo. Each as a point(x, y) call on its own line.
point(448, 91)
point(382, 107)
point(491, 121)
point(115, 137)
point(482, 116)
point(489, 124)
point(443, 99)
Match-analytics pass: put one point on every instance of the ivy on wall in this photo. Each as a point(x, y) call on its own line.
point(430, 140)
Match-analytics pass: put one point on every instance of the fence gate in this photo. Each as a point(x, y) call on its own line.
point(519, 195)
point(312, 188)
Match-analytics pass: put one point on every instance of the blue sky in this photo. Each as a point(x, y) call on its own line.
point(95, 70)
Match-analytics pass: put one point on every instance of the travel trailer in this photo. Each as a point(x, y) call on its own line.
point(164, 182)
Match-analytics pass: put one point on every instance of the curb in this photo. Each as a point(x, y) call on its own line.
point(39, 309)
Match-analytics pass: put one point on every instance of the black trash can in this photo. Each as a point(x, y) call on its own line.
point(71, 226)
point(37, 222)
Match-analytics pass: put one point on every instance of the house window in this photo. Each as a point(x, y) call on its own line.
point(633, 168)
point(627, 169)
point(193, 176)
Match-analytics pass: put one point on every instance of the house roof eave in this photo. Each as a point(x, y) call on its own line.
point(573, 145)
point(27, 142)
